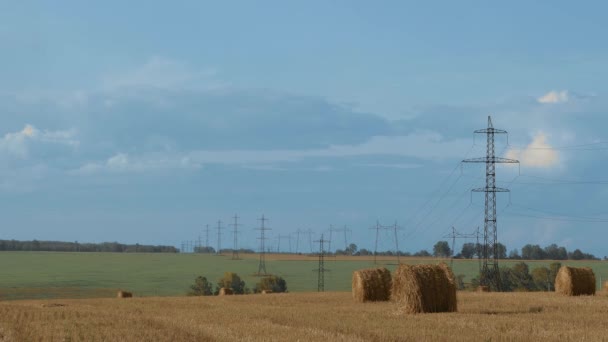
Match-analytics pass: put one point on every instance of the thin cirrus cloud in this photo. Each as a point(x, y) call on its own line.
point(419, 145)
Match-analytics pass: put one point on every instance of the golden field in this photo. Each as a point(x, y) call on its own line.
point(330, 316)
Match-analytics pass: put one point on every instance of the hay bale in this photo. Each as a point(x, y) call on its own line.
point(266, 291)
point(224, 291)
point(424, 288)
point(372, 285)
point(575, 281)
point(606, 286)
point(124, 294)
point(482, 288)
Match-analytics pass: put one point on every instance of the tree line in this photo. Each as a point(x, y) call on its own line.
point(528, 252)
point(62, 246)
point(204, 287)
point(472, 250)
point(519, 278)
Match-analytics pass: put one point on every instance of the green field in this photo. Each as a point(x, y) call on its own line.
point(53, 274)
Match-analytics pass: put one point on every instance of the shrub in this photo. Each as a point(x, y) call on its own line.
point(201, 287)
point(231, 280)
point(272, 283)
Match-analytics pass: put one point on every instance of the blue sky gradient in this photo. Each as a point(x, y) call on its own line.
point(144, 121)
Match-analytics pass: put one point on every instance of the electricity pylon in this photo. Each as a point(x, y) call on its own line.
point(490, 273)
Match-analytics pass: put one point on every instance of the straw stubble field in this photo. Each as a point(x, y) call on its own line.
point(331, 316)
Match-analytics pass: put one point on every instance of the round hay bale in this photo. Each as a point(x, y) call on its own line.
point(606, 286)
point(124, 294)
point(372, 285)
point(424, 288)
point(482, 288)
point(224, 291)
point(266, 291)
point(575, 281)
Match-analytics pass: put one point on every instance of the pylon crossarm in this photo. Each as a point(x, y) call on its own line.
point(491, 190)
point(490, 160)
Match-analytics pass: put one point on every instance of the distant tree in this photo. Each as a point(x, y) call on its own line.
point(514, 254)
point(501, 251)
point(422, 253)
point(532, 252)
point(201, 287)
point(232, 281)
point(273, 283)
point(460, 281)
point(520, 277)
point(468, 250)
point(542, 278)
point(555, 252)
point(364, 251)
point(352, 249)
point(576, 255)
point(442, 249)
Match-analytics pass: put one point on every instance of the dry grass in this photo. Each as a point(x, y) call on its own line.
point(575, 281)
point(304, 317)
point(424, 288)
point(372, 285)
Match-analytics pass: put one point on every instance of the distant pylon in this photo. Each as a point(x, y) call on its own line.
point(490, 273)
point(321, 270)
point(235, 231)
point(262, 238)
point(298, 232)
point(207, 239)
point(219, 237)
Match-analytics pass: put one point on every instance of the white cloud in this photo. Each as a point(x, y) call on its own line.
point(554, 97)
point(17, 143)
point(538, 154)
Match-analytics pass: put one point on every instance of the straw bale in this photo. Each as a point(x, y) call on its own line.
point(372, 285)
point(124, 294)
point(266, 291)
point(482, 288)
point(424, 288)
point(575, 281)
point(224, 291)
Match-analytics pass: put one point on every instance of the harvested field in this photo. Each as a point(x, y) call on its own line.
point(305, 317)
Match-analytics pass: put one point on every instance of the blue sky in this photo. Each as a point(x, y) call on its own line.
point(144, 121)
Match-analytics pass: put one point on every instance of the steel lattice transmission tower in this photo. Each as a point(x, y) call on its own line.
point(219, 237)
point(207, 239)
point(235, 231)
point(490, 274)
point(262, 238)
point(321, 270)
